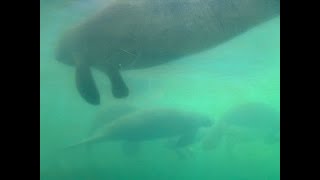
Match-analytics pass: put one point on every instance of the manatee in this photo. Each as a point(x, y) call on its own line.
point(150, 124)
point(246, 122)
point(128, 35)
point(110, 113)
point(258, 116)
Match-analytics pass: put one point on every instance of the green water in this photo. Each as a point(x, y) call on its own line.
point(246, 69)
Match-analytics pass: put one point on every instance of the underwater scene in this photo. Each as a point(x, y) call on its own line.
point(159, 89)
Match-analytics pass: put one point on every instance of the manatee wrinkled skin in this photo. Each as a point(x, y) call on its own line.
point(145, 33)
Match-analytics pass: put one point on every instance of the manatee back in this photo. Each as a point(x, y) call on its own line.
point(154, 123)
point(144, 33)
point(111, 113)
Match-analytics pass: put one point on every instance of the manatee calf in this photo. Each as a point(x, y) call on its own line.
point(144, 33)
point(152, 124)
point(246, 122)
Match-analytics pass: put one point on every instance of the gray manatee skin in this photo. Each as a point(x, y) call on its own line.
point(110, 114)
point(258, 116)
point(144, 33)
point(147, 125)
point(258, 120)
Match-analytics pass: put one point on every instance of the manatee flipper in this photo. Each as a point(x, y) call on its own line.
point(86, 85)
point(130, 148)
point(119, 87)
point(178, 147)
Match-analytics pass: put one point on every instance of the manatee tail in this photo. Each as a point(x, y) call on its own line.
point(85, 142)
point(78, 144)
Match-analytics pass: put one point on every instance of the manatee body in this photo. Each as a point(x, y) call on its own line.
point(254, 116)
point(144, 33)
point(111, 113)
point(152, 124)
point(246, 122)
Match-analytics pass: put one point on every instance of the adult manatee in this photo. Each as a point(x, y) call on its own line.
point(144, 33)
